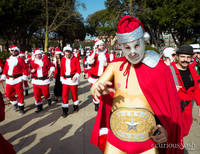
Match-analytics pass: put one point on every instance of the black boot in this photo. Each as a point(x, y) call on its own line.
point(55, 99)
point(39, 108)
point(26, 92)
point(76, 108)
point(49, 101)
point(96, 107)
point(21, 110)
point(84, 76)
point(15, 107)
point(65, 112)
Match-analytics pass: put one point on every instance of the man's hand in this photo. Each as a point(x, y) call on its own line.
point(103, 89)
point(33, 71)
point(51, 76)
point(178, 88)
point(74, 79)
point(199, 112)
point(162, 137)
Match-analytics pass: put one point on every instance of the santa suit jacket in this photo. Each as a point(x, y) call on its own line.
point(98, 65)
point(42, 67)
point(77, 55)
point(158, 87)
point(70, 67)
point(14, 66)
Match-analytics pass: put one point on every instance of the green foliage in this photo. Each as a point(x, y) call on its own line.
point(152, 48)
point(101, 23)
point(177, 17)
point(72, 30)
point(180, 18)
point(23, 21)
point(4, 55)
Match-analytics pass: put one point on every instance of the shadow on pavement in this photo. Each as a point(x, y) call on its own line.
point(79, 143)
point(19, 123)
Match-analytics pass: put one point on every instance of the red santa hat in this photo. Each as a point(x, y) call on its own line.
point(129, 29)
point(33, 52)
point(98, 42)
point(13, 48)
point(38, 51)
point(168, 52)
point(22, 53)
point(58, 51)
point(67, 48)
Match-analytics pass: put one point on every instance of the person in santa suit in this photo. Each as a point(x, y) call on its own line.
point(26, 86)
point(139, 105)
point(58, 84)
point(69, 76)
point(112, 55)
point(27, 55)
point(42, 70)
point(98, 61)
point(188, 86)
point(86, 66)
point(14, 73)
point(76, 54)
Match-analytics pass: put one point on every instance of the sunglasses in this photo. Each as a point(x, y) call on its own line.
point(173, 55)
point(13, 50)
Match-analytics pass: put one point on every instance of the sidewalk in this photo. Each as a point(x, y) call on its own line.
point(49, 133)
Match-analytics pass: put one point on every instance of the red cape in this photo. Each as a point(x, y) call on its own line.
point(159, 89)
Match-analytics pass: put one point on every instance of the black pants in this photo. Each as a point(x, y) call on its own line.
point(58, 87)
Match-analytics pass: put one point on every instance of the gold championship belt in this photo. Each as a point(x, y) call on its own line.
point(132, 124)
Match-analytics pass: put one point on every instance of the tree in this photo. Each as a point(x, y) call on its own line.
point(101, 24)
point(177, 17)
point(180, 18)
point(57, 13)
point(74, 29)
point(19, 20)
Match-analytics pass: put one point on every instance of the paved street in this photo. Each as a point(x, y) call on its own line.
point(49, 133)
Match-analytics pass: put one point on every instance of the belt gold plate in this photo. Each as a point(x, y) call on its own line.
point(132, 124)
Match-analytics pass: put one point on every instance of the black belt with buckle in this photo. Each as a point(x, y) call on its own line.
point(184, 104)
point(41, 78)
point(69, 76)
point(95, 76)
point(15, 76)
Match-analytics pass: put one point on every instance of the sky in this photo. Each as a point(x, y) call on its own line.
point(91, 7)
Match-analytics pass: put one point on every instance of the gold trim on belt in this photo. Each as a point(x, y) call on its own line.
point(132, 124)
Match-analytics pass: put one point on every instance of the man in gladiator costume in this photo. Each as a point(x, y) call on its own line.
point(139, 110)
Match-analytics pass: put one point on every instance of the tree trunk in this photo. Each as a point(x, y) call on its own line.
point(46, 28)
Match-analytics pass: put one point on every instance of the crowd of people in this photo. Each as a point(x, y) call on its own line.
point(62, 67)
point(141, 98)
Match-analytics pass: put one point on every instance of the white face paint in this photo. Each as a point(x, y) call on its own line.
point(134, 51)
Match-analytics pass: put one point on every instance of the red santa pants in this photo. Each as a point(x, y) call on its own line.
point(40, 90)
point(18, 89)
point(26, 85)
point(65, 93)
point(94, 100)
point(85, 71)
